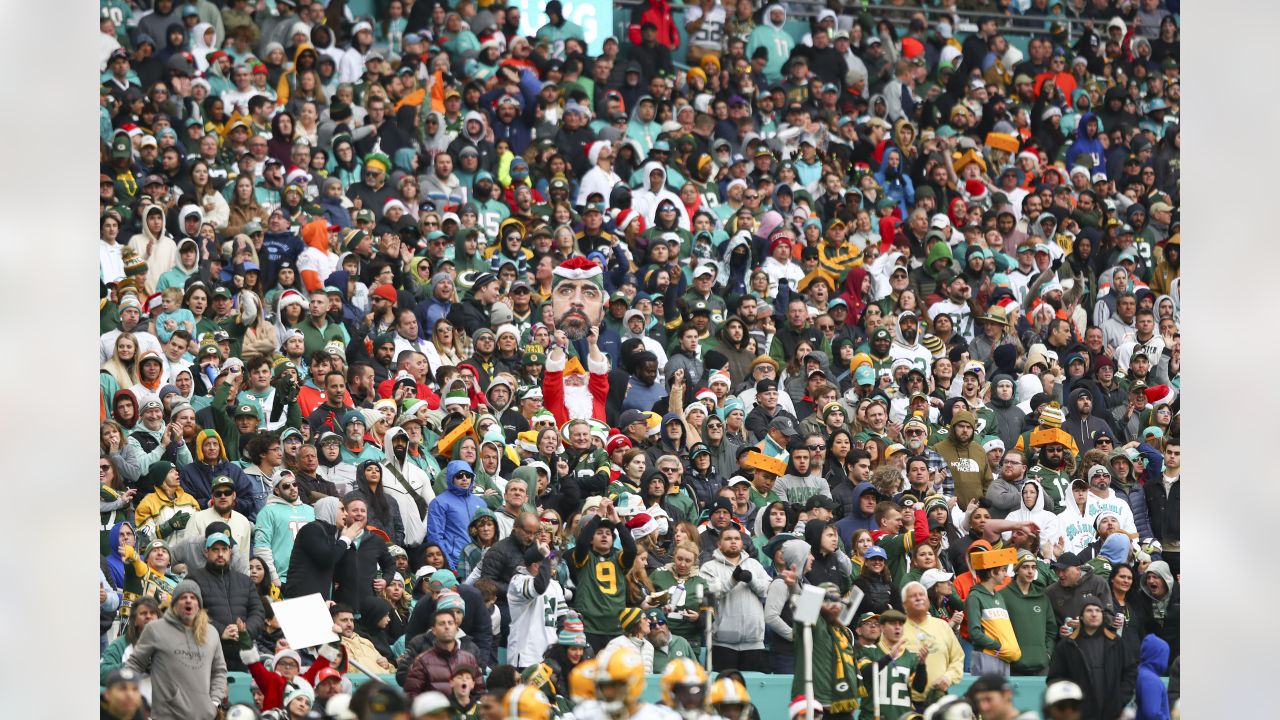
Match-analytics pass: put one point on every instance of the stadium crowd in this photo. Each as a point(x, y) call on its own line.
point(554, 362)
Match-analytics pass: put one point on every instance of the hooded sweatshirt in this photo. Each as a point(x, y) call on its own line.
point(853, 519)
point(834, 567)
point(967, 461)
point(1150, 692)
point(646, 201)
point(159, 251)
point(1033, 624)
point(772, 38)
point(778, 602)
point(188, 678)
point(396, 474)
point(450, 513)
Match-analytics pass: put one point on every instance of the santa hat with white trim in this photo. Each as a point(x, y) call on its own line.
point(1158, 395)
point(578, 268)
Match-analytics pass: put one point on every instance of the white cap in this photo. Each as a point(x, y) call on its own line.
point(1061, 691)
point(934, 576)
point(429, 702)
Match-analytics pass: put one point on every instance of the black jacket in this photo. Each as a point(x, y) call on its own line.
point(469, 315)
point(316, 554)
point(1120, 673)
point(476, 623)
point(355, 572)
point(1164, 509)
point(228, 596)
point(501, 561)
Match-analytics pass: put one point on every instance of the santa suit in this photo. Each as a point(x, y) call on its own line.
point(574, 402)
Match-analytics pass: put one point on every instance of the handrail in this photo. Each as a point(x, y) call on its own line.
point(967, 20)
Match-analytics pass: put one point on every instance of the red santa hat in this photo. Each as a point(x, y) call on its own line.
point(626, 217)
point(1158, 395)
point(393, 202)
point(976, 190)
point(594, 149)
point(296, 175)
point(578, 268)
point(642, 524)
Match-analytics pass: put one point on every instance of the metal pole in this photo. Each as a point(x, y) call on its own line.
point(808, 671)
point(875, 689)
point(364, 670)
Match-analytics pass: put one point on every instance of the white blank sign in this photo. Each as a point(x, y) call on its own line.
point(305, 621)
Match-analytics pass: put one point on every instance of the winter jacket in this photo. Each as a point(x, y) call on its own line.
point(1082, 427)
point(740, 623)
point(395, 474)
point(1010, 419)
point(832, 567)
point(1068, 601)
point(188, 679)
point(317, 550)
point(197, 477)
point(854, 519)
point(990, 628)
point(433, 669)
point(501, 561)
point(450, 513)
point(1118, 674)
point(229, 596)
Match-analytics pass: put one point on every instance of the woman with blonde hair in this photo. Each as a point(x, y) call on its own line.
point(450, 344)
point(120, 371)
point(686, 590)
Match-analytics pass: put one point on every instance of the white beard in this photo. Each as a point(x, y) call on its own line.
point(578, 402)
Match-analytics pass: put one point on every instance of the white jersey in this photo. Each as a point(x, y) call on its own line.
point(591, 710)
point(710, 36)
point(533, 618)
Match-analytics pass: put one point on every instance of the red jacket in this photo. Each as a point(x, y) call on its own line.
point(657, 12)
point(272, 684)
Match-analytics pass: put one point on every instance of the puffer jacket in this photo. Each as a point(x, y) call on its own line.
point(433, 669)
point(228, 596)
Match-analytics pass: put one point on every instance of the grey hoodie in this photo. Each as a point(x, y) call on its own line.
point(188, 679)
point(795, 553)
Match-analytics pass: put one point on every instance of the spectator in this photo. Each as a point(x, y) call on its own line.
point(536, 601)
point(235, 606)
point(598, 569)
point(433, 669)
point(1091, 656)
point(945, 659)
point(278, 524)
point(1031, 616)
point(183, 657)
point(451, 515)
point(739, 582)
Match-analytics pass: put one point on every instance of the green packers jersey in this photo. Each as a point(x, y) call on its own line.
point(892, 684)
point(601, 592)
point(1056, 484)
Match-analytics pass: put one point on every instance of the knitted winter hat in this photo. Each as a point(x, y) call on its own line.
point(297, 688)
point(571, 633)
point(628, 617)
point(1052, 415)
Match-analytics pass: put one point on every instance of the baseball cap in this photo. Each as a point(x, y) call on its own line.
point(1062, 691)
point(875, 551)
point(122, 675)
point(737, 480)
point(1066, 560)
point(217, 538)
point(630, 416)
point(933, 576)
point(783, 424)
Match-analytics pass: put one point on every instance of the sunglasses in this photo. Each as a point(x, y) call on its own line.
point(655, 621)
point(550, 521)
point(223, 493)
point(466, 475)
point(104, 466)
point(286, 486)
point(815, 448)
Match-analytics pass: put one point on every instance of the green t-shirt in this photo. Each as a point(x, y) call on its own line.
point(601, 592)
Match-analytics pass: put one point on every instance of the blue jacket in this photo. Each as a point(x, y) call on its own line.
point(450, 513)
point(1088, 145)
point(1152, 697)
point(856, 520)
point(197, 479)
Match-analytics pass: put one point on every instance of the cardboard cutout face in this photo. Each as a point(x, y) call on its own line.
point(577, 305)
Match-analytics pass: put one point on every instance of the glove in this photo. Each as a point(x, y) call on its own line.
point(741, 574)
point(245, 639)
point(180, 520)
point(128, 553)
point(249, 655)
